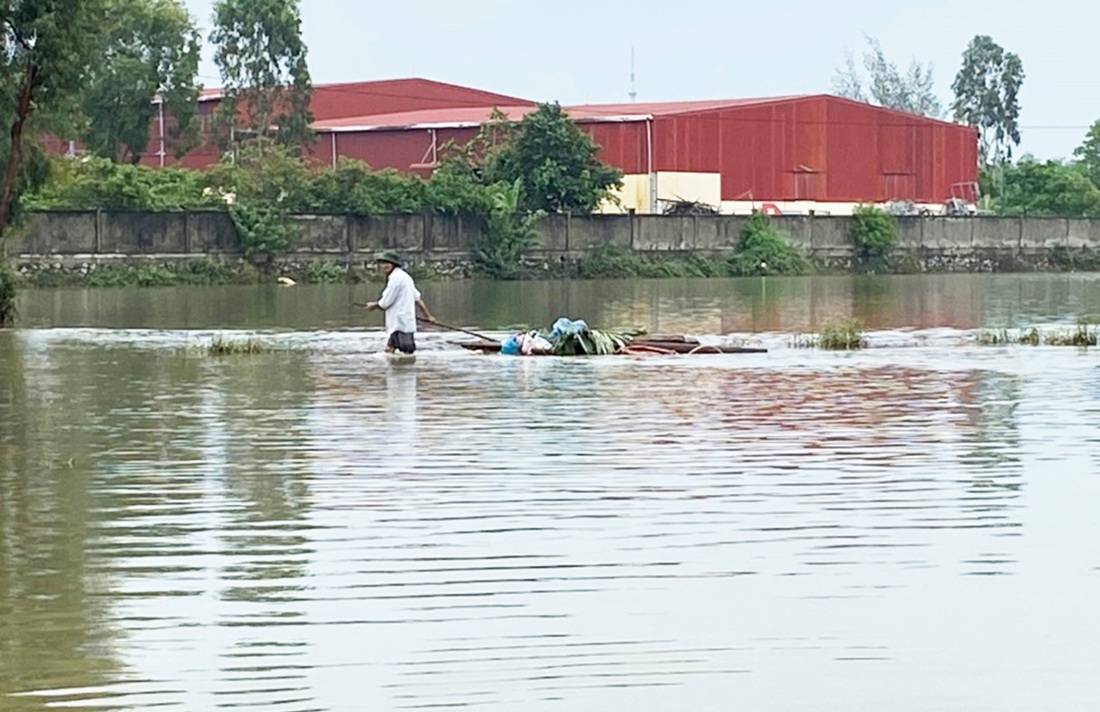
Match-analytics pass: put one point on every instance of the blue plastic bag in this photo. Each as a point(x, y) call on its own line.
point(510, 347)
point(567, 326)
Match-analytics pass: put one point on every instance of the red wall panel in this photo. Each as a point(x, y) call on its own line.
point(820, 148)
point(622, 144)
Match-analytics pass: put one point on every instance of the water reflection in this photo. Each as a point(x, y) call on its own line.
point(322, 529)
point(54, 622)
point(750, 305)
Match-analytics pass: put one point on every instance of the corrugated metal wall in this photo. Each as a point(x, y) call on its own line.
point(820, 148)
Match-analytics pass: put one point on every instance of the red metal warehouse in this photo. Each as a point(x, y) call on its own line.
point(790, 154)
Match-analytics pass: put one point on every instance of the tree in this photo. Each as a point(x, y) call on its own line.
point(557, 165)
point(1088, 153)
point(152, 55)
point(987, 90)
point(262, 59)
point(1051, 188)
point(47, 49)
point(912, 91)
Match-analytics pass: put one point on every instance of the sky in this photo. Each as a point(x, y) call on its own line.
point(578, 52)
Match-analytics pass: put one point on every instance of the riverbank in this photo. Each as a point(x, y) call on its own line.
point(150, 249)
point(157, 271)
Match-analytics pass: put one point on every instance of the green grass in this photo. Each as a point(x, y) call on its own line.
point(612, 262)
point(842, 336)
point(221, 346)
point(325, 273)
point(202, 272)
point(1084, 334)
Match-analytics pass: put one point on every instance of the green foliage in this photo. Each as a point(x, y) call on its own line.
point(1088, 153)
point(199, 272)
point(221, 346)
point(1050, 188)
point(591, 342)
point(49, 47)
point(763, 249)
point(262, 59)
point(508, 232)
point(556, 163)
point(875, 234)
point(913, 91)
point(454, 190)
point(263, 230)
point(263, 186)
point(7, 296)
point(100, 184)
point(987, 90)
point(613, 262)
point(352, 187)
point(270, 176)
point(842, 336)
point(1084, 334)
point(153, 50)
point(33, 173)
point(324, 273)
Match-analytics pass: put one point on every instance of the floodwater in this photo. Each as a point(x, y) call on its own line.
point(911, 527)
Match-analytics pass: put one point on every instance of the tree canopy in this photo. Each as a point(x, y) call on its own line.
point(152, 55)
point(987, 95)
point(47, 48)
point(265, 77)
point(1088, 153)
point(557, 165)
point(912, 90)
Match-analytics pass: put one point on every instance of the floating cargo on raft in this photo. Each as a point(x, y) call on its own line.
point(640, 346)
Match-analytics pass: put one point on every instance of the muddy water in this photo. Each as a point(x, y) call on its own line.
point(912, 527)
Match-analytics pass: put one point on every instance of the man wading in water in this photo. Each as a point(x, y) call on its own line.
point(401, 301)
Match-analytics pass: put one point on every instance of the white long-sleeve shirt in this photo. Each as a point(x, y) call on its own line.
point(399, 300)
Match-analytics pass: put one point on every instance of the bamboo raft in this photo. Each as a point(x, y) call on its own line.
point(642, 345)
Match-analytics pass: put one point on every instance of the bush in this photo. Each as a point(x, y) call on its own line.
point(612, 262)
point(263, 230)
point(763, 249)
point(508, 232)
point(842, 336)
point(875, 234)
point(324, 273)
point(7, 296)
point(352, 187)
point(100, 184)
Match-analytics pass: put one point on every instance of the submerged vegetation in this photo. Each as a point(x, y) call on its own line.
point(844, 335)
point(1084, 334)
point(222, 346)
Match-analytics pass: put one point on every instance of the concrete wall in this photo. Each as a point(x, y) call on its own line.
point(438, 237)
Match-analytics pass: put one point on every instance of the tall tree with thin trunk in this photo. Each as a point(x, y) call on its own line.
point(262, 58)
point(46, 49)
point(987, 95)
point(150, 65)
point(912, 90)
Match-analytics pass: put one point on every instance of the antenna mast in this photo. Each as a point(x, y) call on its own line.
point(633, 89)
